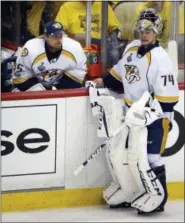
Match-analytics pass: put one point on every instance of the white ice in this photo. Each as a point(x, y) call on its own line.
point(174, 212)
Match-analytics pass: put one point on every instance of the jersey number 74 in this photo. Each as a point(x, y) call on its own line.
point(167, 79)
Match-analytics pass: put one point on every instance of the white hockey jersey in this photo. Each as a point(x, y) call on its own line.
point(33, 61)
point(153, 72)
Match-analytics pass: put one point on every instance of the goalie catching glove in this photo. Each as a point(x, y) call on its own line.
point(144, 111)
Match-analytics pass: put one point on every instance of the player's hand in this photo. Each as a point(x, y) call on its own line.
point(140, 117)
point(97, 111)
point(89, 84)
point(99, 82)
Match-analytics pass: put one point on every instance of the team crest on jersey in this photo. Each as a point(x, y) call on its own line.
point(41, 67)
point(24, 52)
point(132, 74)
point(51, 76)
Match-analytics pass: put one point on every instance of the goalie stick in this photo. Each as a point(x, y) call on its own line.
point(96, 152)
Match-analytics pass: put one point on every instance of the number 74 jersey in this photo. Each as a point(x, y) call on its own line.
point(152, 72)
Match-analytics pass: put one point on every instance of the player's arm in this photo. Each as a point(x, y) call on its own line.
point(165, 85)
point(112, 80)
point(24, 79)
point(76, 74)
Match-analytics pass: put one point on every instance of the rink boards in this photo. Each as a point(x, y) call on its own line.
point(47, 135)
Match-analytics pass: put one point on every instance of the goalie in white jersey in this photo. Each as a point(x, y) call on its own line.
point(51, 60)
point(146, 75)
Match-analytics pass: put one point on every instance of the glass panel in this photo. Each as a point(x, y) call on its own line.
point(7, 21)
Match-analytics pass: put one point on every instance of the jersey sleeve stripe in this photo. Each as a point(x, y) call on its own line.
point(148, 56)
point(115, 75)
point(167, 99)
point(165, 125)
point(38, 58)
point(20, 80)
point(73, 77)
point(68, 54)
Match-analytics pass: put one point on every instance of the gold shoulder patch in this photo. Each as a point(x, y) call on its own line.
point(24, 52)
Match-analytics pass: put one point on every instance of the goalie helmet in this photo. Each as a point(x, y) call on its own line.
point(149, 20)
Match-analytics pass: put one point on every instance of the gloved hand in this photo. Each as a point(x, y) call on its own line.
point(89, 84)
point(97, 109)
point(139, 116)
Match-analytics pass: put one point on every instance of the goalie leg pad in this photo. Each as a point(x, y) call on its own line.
point(133, 157)
point(150, 201)
point(154, 203)
point(152, 193)
point(123, 188)
point(114, 195)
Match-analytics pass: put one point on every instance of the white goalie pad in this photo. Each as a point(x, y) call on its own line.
point(106, 109)
point(123, 188)
point(133, 156)
point(114, 194)
point(151, 191)
point(114, 112)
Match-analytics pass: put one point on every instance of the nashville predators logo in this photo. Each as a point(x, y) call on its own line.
point(57, 25)
point(51, 76)
point(24, 52)
point(132, 74)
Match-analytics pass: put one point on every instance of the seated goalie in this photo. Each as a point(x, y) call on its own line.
point(146, 74)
